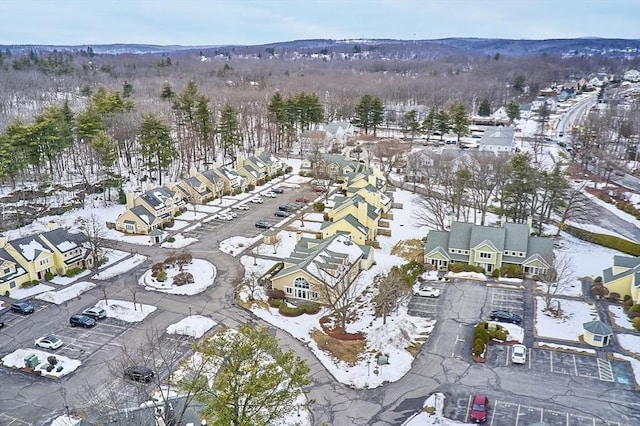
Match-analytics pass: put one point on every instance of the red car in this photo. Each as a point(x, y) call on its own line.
point(302, 200)
point(319, 189)
point(479, 408)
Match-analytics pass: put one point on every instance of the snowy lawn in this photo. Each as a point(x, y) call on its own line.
point(569, 327)
point(286, 243)
point(66, 421)
point(180, 241)
point(16, 360)
point(122, 267)
point(143, 240)
point(236, 245)
point(192, 326)
point(193, 227)
point(403, 226)
point(177, 225)
point(224, 202)
point(26, 292)
point(587, 259)
point(629, 342)
point(68, 280)
point(572, 289)
point(619, 318)
point(190, 215)
point(207, 209)
point(126, 311)
point(298, 179)
point(318, 217)
point(310, 226)
point(204, 274)
point(68, 293)
point(255, 265)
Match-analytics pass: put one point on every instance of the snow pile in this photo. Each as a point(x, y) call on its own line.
point(620, 319)
point(629, 342)
point(193, 326)
point(467, 275)
point(66, 421)
point(26, 292)
point(565, 348)
point(126, 311)
point(120, 268)
point(61, 296)
point(431, 414)
point(16, 360)
point(569, 326)
point(236, 245)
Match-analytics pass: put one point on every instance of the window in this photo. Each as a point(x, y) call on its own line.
point(12, 284)
point(301, 283)
point(7, 270)
point(130, 227)
point(44, 261)
point(484, 255)
point(289, 290)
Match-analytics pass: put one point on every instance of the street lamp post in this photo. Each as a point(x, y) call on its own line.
point(189, 311)
point(368, 363)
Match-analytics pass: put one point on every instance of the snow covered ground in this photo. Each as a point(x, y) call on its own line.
point(286, 243)
point(68, 293)
point(621, 319)
point(431, 414)
point(122, 267)
point(16, 359)
point(126, 311)
point(204, 274)
point(193, 326)
point(236, 245)
point(180, 241)
point(569, 326)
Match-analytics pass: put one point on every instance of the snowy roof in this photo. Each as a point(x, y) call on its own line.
point(497, 135)
point(145, 215)
point(156, 198)
point(64, 240)
point(29, 247)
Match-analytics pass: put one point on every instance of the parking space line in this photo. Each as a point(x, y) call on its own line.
point(466, 416)
point(551, 360)
point(605, 372)
point(517, 415)
point(493, 413)
point(575, 365)
point(530, 355)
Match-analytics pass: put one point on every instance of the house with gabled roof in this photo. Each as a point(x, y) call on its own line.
point(315, 140)
point(335, 166)
point(260, 166)
point(355, 216)
point(319, 266)
point(623, 277)
point(12, 275)
point(69, 250)
point(497, 139)
point(150, 210)
point(490, 247)
point(194, 190)
point(215, 181)
point(274, 165)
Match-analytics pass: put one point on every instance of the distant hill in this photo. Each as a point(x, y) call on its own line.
point(629, 48)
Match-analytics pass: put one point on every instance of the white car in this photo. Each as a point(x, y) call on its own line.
point(427, 291)
point(49, 342)
point(269, 194)
point(518, 354)
point(232, 214)
point(223, 216)
point(257, 200)
point(96, 313)
point(242, 207)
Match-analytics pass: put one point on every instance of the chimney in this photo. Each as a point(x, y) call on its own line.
point(503, 220)
point(3, 241)
point(130, 196)
point(362, 212)
point(52, 226)
point(298, 236)
point(193, 171)
point(530, 224)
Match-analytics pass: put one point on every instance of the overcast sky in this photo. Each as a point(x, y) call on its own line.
point(218, 22)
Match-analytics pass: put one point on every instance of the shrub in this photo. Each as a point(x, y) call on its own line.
point(35, 282)
point(495, 273)
point(498, 335)
point(48, 276)
point(161, 276)
point(636, 323)
point(626, 297)
point(7, 293)
point(325, 217)
point(310, 308)
point(597, 291)
point(49, 368)
point(288, 169)
point(276, 294)
point(237, 191)
point(289, 311)
point(478, 347)
point(72, 272)
point(260, 182)
point(633, 315)
point(634, 308)
point(301, 173)
point(251, 187)
point(178, 213)
point(52, 360)
point(614, 297)
point(171, 240)
point(267, 179)
point(597, 280)
point(274, 303)
point(318, 235)
point(627, 304)
point(182, 278)
point(318, 207)
point(512, 271)
point(605, 240)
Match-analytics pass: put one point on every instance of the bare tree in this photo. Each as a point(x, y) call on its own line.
point(555, 280)
point(251, 282)
point(338, 292)
point(574, 207)
point(392, 291)
point(94, 230)
point(431, 210)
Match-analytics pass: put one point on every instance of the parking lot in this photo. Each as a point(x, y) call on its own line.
point(8, 420)
point(504, 413)
point(508, 299)
point(12, 318)
point(557, 362)
point(81, 343)
point(427, 307)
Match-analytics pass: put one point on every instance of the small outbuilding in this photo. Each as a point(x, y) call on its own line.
point(597, 333)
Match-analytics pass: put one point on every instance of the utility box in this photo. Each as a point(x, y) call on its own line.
point(31, 361)
point(383, 360)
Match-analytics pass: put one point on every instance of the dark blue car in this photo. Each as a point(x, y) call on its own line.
point(22, 308)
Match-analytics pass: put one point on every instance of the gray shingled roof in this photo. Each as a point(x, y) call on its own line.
point(460, 235)
point(141, 212)
point(597, 327)
point(59, 236)
point(436, 239)
point(626, 261)
point(497, 135)
point(517, 237)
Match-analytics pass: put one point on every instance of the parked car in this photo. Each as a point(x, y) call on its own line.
point(319, 189)
point(281, 213)
point(479, 408)
point(222, 216)
point(96, 313)
point(277, 190)
point(263, 224)
point(49, 342)
point(427, 291)
point(22, 308)
point(302, 200)
point(81, 321)
point(269, 194)
point(242, 207)
point(502, 315)
point(257, 200)
point(139, 374)
point(1, 324)
point(518, 354)
point(232, 214)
